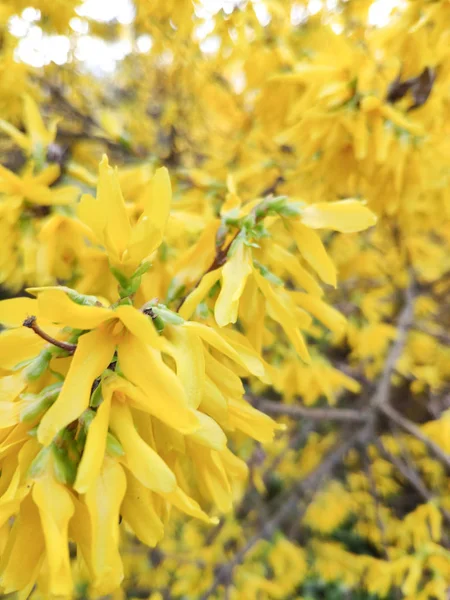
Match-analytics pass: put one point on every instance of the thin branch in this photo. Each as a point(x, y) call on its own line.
point(315, 414)
point(409, 474)
point(31, 323)
point(289, 508)
point(382, 393)
point(416, 432)
point(376, 500)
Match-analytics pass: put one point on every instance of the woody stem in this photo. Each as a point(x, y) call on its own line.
point(31, 323)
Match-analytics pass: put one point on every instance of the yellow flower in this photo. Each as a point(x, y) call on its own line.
point(34, 188)
point(234, 276)
point(38, 138)
point(126, 245)
point(347, 216)
point(130, 332)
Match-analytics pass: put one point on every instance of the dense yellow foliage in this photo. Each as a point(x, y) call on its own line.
point(224, 348)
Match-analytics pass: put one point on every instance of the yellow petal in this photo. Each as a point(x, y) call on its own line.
point(312, 250)
point(347, 216)
point(10, 388)
point(94, 449)
point(19, 138)
point(156, 198)
point(145, 464)
point(234, 466)
point(139, 513)
point(198, 294)
point(139, 324)
point(283, 314)
point(234, 277)
point(186, 349)
point(214, 339)
point(55, 510)
point(18, 345)
point(251, 421)
point(92, 356)
point(248, 354)
point(167, 400)
point(212, 478)
point(214, 403)
point(91, 212)
point(23, 554)
point(227, 381)
point(57, 307)
point(109, 195)
point(328, 315)
point(209, 434)
point(288, 261)
point(103, 501)
point(14, 311)
point(188, 505)
point(34, 124)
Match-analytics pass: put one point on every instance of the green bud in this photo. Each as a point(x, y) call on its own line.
point(96, 397)
point(39, 463)
point(291, 209)
point(87, 417)
point(158, 323)
point(167, 315)
point(113, 446)
point(37, 366)
point(249, 221)
point(267, 274)
point(143, 268)
point(39, 403)
point(123, 281)
point(65, 468)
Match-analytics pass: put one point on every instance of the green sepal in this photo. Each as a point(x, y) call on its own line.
point(39, 463)
point(38, 365)
point(87, 417)
point(39, 403)
point(267, 274)
point(96, 397)
point(65, 469)
point(167, 315)
point(113, 446)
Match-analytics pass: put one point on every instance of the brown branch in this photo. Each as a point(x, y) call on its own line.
point(31, 323)
point(410, 475)
point(416, 432)
point(288, 509)
point(382, 393)
point(315, 414)
point(376, 500)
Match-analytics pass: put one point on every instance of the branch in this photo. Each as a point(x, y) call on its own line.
point(31, 323)
point(315, 414)
point(289, 508)
point(416, 432)
point(382, 393)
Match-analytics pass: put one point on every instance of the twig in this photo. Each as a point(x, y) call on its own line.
point(31, 323)
point(415, 431)
point(287, 509)
point(407, 473)
point(376, 500)
point(315, 414)
point(381, 396)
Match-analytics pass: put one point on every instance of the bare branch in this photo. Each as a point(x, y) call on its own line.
point(289, 508)
point(31, 323)
point(416, 432)
point(315, 414)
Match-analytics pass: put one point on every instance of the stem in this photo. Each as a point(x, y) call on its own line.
point(31, 323)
